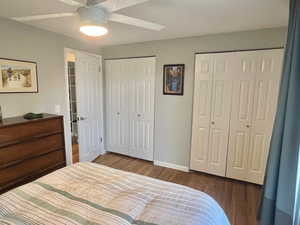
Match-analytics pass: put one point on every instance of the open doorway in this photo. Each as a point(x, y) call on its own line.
point(71, 58)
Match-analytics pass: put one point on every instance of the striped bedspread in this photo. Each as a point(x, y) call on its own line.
point(92, 194)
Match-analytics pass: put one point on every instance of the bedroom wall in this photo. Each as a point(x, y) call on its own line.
point(174, 113)
point(23, 42)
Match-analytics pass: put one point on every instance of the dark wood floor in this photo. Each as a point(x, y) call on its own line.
point(239, 200)
point(75, 152)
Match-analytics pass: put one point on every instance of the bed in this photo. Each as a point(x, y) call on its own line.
point(93, 194)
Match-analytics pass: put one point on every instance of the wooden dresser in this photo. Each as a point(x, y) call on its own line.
point(30, 149)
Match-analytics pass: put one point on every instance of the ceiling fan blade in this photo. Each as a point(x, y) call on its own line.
point(135, 22)
point(41, 17)
point(115, 5)
point(72, 2)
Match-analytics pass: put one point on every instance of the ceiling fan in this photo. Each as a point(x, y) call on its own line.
point(95, 13)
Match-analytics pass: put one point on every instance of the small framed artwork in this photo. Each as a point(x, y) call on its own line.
point(173, 79)
point(18, 76)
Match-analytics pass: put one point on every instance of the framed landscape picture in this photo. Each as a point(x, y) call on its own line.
point(18, 76)
point(173, 79)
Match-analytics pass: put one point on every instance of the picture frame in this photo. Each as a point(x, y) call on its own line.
point(173, 79)
point(18, 76)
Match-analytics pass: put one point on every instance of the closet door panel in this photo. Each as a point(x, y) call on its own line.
point(141, 108)
point(241, 115)
point(235, 101)
point(220, 115)
point(117, 107)
point(201, 112)
point(267, 80)
point(254, 101)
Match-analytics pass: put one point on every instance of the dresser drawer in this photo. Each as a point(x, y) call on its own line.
point(35, 129)
point(14, 153)
point(30, 167)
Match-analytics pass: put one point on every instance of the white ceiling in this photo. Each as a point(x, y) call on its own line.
point(182, 18)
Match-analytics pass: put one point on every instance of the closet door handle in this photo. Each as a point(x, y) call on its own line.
point(80, 118)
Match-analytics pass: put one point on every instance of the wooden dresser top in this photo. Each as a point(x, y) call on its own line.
point(20, 120)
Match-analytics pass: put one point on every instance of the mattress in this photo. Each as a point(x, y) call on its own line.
point(93, 194)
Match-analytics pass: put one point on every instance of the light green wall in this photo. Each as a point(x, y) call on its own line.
point(19, 41)
point(174, 113)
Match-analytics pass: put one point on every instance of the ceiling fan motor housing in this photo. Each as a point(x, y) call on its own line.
point(92, 15)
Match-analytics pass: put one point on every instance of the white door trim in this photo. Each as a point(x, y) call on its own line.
point(67, 119)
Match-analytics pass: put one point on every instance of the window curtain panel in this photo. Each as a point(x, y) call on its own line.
point(297, 206)
point(278, 203)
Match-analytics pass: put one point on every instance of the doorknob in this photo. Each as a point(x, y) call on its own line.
point(139, 115)
point(248, 126)
point(81, 118)
point(118, 113)
point(213, 123)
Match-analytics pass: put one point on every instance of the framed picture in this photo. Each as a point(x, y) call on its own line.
point(173, 79)
point(18, 76)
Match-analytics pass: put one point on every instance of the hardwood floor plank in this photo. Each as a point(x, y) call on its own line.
point(167, 174)
point(239, 200)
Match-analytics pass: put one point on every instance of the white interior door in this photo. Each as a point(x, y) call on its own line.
point(256, 88)
point(268, 71)
point(212, 102)
point(117, 106)
point(89, 105)
point(130, 87)
point(235, 101)
point(201, 112)
point(241, 115)
point(220, 114)
point(141, 107)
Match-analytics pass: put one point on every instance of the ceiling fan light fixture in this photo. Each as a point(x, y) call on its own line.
point(93, 30)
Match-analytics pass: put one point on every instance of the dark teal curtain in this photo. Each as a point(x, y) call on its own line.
point(280, 185)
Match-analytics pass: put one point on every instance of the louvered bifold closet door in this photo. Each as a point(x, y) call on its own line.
point(212, 104)
point(253, 111)
point(117, 117)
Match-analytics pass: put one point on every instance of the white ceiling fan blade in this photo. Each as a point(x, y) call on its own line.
point(72, 2)
point(115, 5)
point(135, 22)
point(41, 17)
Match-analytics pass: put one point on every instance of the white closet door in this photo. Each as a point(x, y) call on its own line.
point(267, 81)
point(254, 104)
point(201, 112)
point(212, 101)
point(89, 105)
point(130, 91)
point(117, 106)
point(220, 114)
point(141, 107)
point(241, 114)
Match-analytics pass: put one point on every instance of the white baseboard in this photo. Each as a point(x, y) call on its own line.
point(172, 166)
